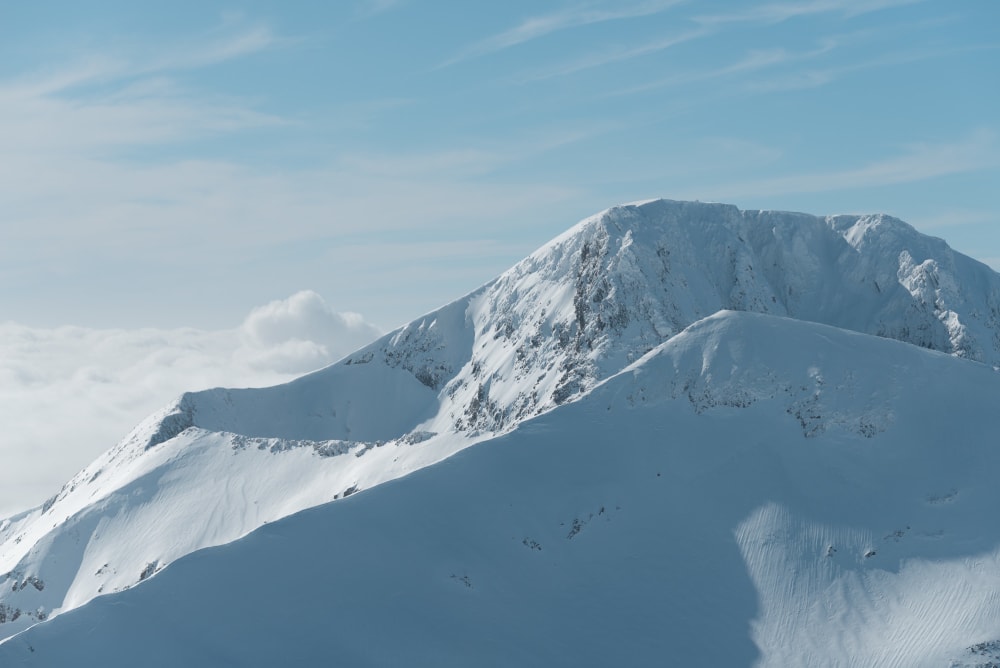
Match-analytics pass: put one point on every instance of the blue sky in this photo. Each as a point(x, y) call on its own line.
point(179, 164)
point(232, 193)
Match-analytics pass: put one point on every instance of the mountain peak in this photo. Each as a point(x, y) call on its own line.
point(755, 490)
point(610, 289)
point(573, 314)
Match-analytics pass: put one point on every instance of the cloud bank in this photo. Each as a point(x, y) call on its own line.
point(299, 334)
point(69, 393)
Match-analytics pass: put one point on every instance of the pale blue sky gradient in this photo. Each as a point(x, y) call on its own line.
point(178, 164)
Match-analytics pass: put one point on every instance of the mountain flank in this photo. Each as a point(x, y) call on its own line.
point(701, 434)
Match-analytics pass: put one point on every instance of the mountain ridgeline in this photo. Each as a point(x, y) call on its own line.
point(615, 286)
point(692, 340)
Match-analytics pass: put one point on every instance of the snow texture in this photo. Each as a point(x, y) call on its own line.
point(724, 437)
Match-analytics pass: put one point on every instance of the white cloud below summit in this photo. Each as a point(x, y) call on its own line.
point(68, 393)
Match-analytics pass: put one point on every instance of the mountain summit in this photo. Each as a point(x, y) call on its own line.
point(605, 293)
point(777, 391)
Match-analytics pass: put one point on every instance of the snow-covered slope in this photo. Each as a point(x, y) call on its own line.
point(218, 464)
point(755, 490)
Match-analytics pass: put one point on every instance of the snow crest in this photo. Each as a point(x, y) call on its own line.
point(611, 292)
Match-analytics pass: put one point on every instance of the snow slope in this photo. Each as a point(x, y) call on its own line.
point(756, 490)
point(608, 293)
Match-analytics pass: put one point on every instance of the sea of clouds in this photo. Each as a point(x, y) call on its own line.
point(69, 393)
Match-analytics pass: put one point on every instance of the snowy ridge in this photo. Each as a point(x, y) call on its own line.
point(609, 290)
point(641, 523)
point(621, 288)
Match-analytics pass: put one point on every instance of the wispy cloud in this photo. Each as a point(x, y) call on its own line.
point(369, 8)
point(127, 99)
point(615, 56)
point(804, 76)
point(239, 44)
point(918, 162)
point(144, 60)
point(539, 26)
point(753, 61)
point(821, 76)
point(783, 11)
point(61, 138)
point(710, 25)
point(139, 115)
point(85, 186)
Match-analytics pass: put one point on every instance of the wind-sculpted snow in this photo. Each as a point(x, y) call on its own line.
point(644, 524)
point(633, 288)
point(626, 280)
point(136, 511)
point(726, 361)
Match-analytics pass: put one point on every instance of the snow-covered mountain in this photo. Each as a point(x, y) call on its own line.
point(695, 439)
